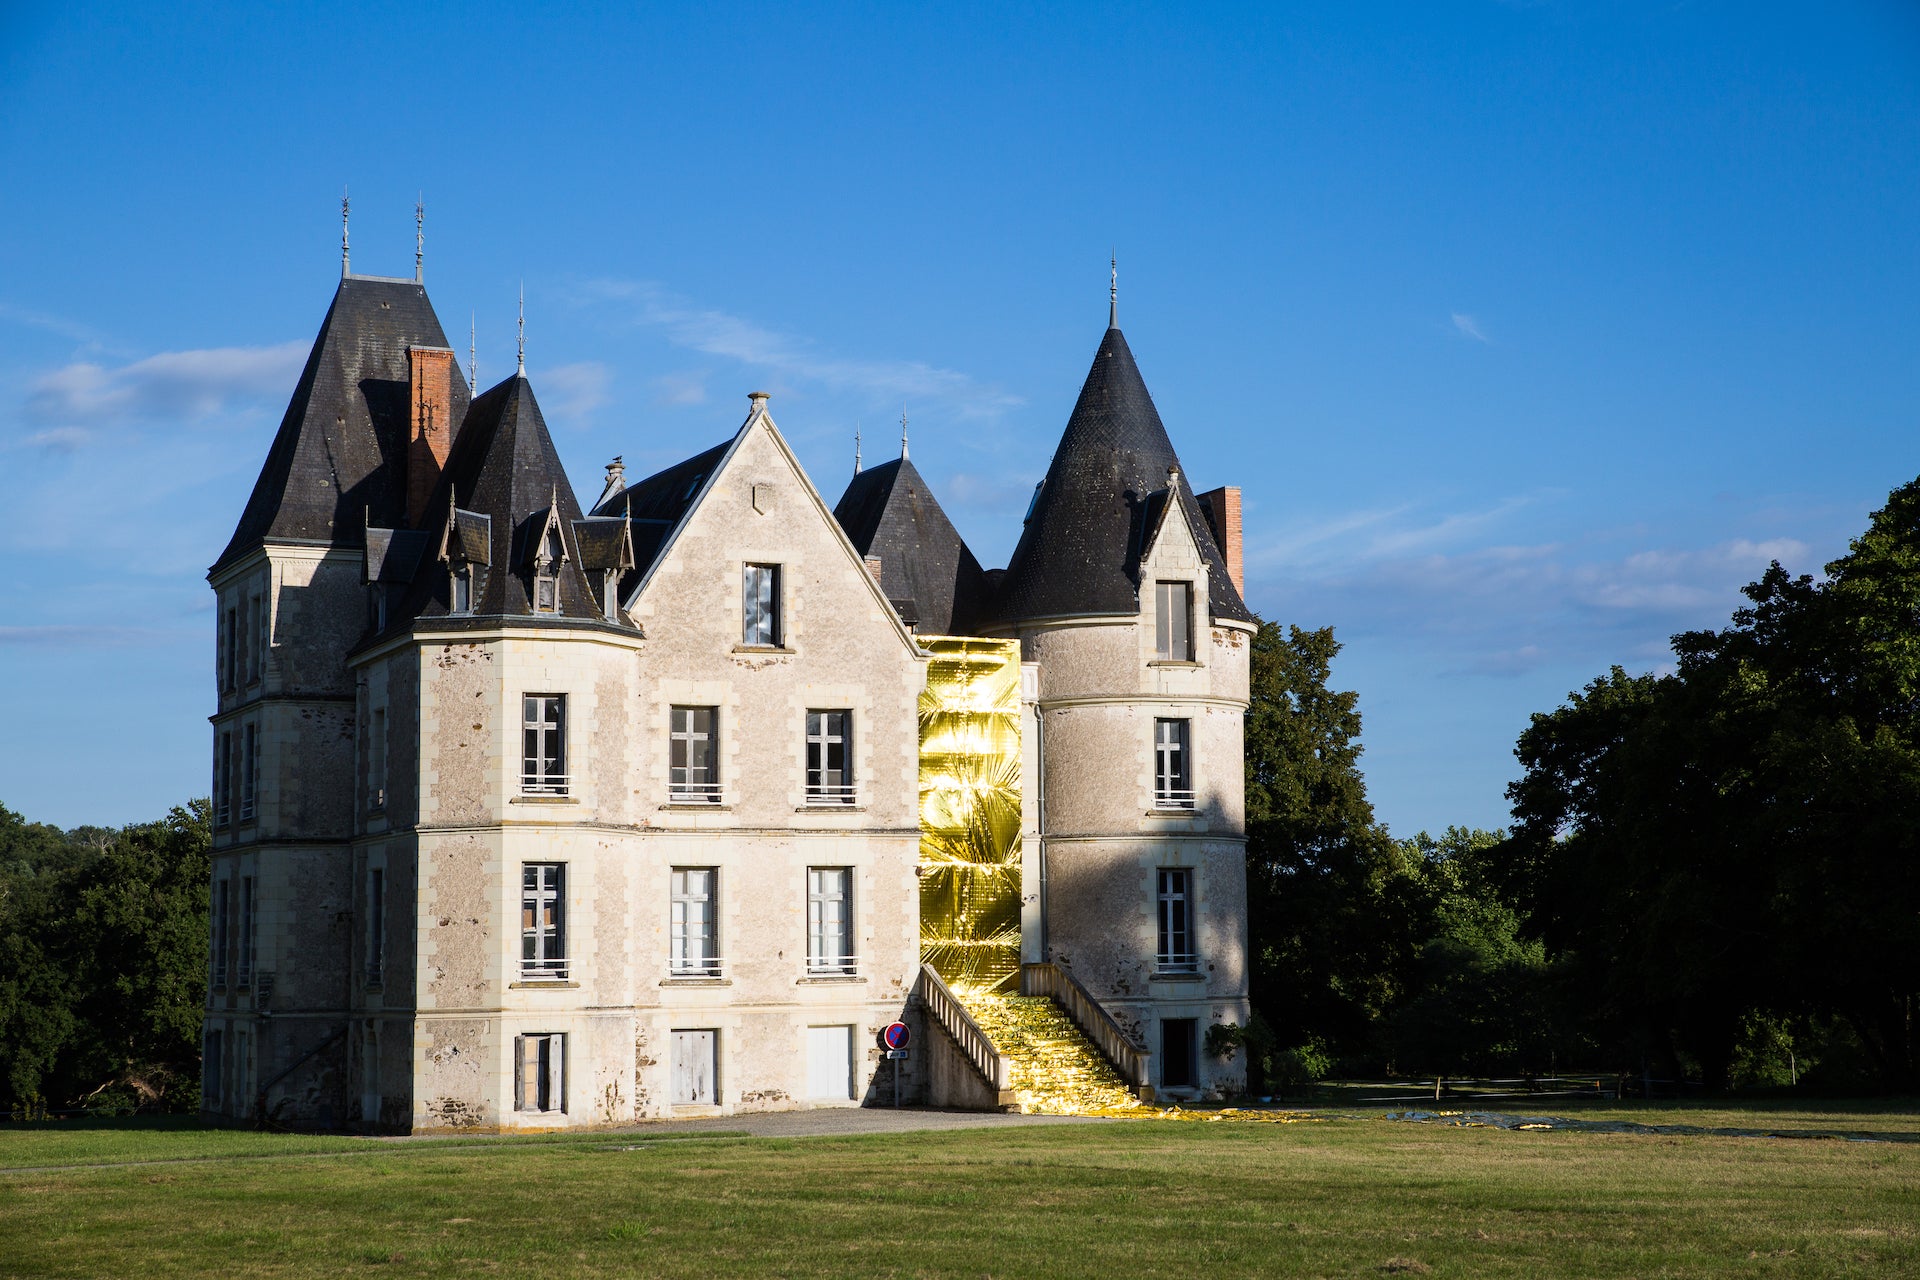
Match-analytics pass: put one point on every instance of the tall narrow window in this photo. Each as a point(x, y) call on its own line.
point(540, 1073)
point(263, 635)
point(543, 920)
point(222, 930)
point(249, 769)
point(210, 1067)
point(760, 604)
point(610, 596)
point(1173, 621)
point(1172, 765)
point(223, 778)
point(543, 765)
point(243, 963)
point(1176, 921)
point(234, 644)
point(462, 590)
point(830, 920)
point(253, 629)
point(696, 944)
point(830, 757)
point(376, 924)
point(694, 765)
point(223, 640)
point(377, 761)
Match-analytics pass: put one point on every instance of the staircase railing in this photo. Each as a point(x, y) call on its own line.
point(1049, 979)
point(953, 1016)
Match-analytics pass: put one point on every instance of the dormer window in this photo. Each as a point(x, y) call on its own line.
point(610, 596)
point(462, 589)
point(546, 572)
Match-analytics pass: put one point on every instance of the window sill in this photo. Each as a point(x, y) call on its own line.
point(828, 979)
point(698, 806)
point(1176, 975)
point(691, 981)
point(373, 988)
point(829, 806)
point(763, 648)
point(537, 984)
point(1175, 662)
point(543, 799)
point(1173, 813)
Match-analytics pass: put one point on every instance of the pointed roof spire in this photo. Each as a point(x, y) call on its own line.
point(1113, 289)
point(903, 431)
point(523, 329)
point(345, 260)
point(473, 365)
point(420, 238)
point(856, 448)
point(932, 579)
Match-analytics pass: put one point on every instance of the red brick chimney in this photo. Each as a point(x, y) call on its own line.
point(430, 426)
point(1222, 509)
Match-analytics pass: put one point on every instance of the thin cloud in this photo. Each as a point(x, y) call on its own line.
point(720, 333)
point(171, 385)
point(1467, 327)
point(576, 390)
point(53, 324)
point(69, 636)
point(59, 439)
point(679, 390)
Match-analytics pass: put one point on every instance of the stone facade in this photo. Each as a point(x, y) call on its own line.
point(420, 926)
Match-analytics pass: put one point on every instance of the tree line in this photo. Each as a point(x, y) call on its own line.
point(103, 964)
point(1712, 873)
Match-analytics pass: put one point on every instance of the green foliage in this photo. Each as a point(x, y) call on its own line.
point(103, 939)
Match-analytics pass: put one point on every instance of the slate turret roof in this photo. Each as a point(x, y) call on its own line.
point(1079, 554)
point(337, 463)
point(926, 570)
point(502, 467)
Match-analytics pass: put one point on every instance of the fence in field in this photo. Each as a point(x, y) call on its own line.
point(1596, 1085)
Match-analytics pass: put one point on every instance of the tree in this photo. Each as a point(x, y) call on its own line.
point(1332, 905)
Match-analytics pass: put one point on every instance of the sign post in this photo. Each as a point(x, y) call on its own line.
point(894, 1038)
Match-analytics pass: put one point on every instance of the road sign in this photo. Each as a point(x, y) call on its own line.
point(895, 1055)
point(895, 1035)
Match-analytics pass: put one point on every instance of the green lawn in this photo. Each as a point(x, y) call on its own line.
point(1344, 1197)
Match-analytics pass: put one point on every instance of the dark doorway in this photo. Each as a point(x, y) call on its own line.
point(1177, 1036)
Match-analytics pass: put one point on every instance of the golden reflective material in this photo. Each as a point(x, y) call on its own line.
point(1053, 1068)
point(970, 814)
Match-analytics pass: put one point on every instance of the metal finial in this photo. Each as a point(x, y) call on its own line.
point(345, 261)
point(856, 448)
point(1113, 290)
point(523, 328)
point(419, 238)
point(473, 365)
point(903, 434)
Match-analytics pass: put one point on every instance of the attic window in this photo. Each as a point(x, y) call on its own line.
point(546, 573)
point(611, 595)
point(462, 589)
point(546, 594)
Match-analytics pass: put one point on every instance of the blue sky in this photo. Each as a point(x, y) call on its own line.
point(1530, 331)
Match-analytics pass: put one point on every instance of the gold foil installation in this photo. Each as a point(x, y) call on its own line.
point(970, 814)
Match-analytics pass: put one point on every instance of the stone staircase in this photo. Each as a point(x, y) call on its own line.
point(1053, 1069)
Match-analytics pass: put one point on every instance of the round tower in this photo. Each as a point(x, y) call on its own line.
point(1123, 598)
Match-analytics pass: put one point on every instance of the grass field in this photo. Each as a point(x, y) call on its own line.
point(1356, 1196)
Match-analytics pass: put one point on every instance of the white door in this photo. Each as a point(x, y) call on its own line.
point(693, 1068)
point(830, 1062)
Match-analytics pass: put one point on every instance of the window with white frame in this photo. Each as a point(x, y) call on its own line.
point(830, 757)
point(376, 924)
point(760, 605)
point(543, 765)
point(1172, 765)
point(1173, 621)
point(377, 761)
point(249, 769)
point(543, 920)
point(695, 924)
point(1176, 953)
point(540, 1072)
point(693, 771)
point(830, 920)
point(243, 962)
point(222, 930)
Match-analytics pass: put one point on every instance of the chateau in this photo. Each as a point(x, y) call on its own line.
point(535, 814)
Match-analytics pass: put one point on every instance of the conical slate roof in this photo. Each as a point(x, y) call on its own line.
point(1079, 554)
point(926, 569)
point(503, 466)
point(338, 461)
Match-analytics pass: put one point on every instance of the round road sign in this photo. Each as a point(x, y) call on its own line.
point(895, 1035)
